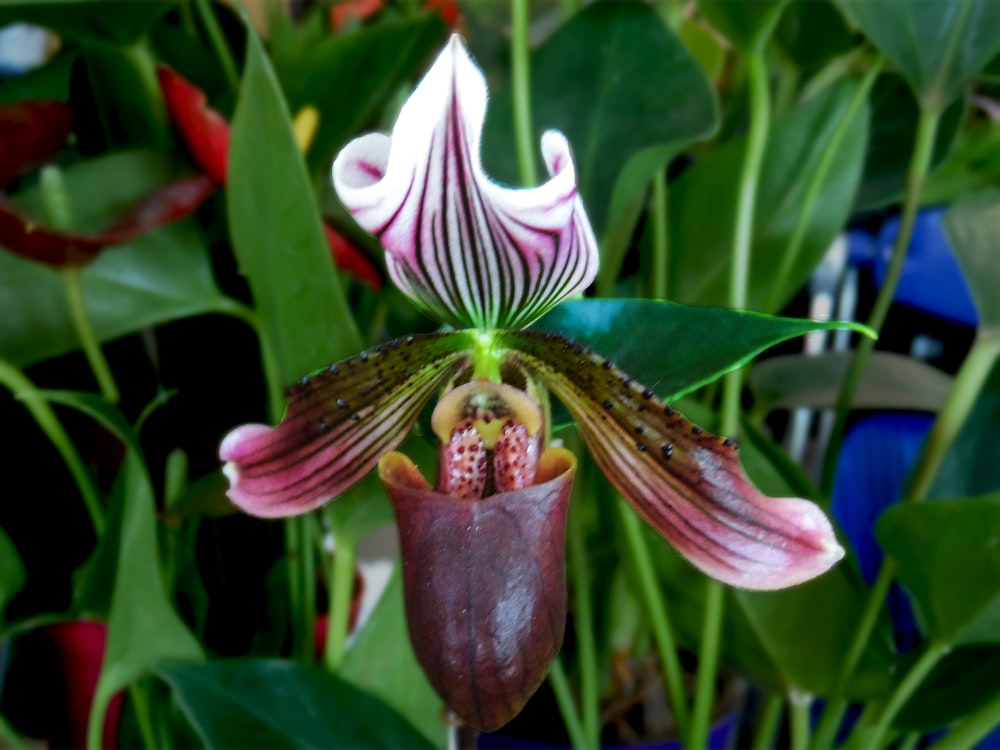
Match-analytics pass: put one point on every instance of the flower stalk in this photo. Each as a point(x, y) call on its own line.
point(520, 73)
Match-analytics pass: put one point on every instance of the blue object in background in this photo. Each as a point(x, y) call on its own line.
point(931, 279)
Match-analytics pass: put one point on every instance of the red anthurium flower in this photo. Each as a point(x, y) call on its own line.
point(359, 10)
point(482, 550)
point(32, 131)
point(206, 134)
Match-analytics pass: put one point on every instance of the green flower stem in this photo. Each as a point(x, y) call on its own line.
point(11, 738)
point(661, 237)
point(919, 167)
point(138, 693)
point(293, 555)
point(798, 719)
point(88, 337)
point(520, 73)
point(567, 708)
point(656, 614)
point(218, 41)
point(866, 735)
point(816, 182)
point(24, 390)
point(909, 741)
point(969, 381)
point(341, 595)
point(768, 723)
point(308, 618)
point(732, 386)
point(583, 615)
point(972, 729)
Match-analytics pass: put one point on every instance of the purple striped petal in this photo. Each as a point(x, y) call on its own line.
point(340, 422)
point(684, 482)
point(468, 251)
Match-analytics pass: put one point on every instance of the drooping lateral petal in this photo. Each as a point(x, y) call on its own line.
point(466, 250)
point(24, 236)
point(340, 422)
point(204, 130)
point(484, 584)
point(684, 482)
point(31, 131)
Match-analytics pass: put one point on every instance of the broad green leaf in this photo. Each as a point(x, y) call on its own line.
point(703, 203)
point(748, 25)
point(973, 226)
point(890, 381)
point(51, 81)
point(347, 77)
point(939, 47)
point(892, 137)
point(965, 680)
point(277, 235)
point(87, 20)
point(674, 348)
point(812, 31)
point(381, 661)
point(12, 571)
point(616, 81)
point(947, 557)
point(271, 703)
point(158, 277)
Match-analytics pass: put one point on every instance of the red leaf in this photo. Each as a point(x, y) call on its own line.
point(30, 132)
point(352, 259)
point(23, 236)
point(204, 130)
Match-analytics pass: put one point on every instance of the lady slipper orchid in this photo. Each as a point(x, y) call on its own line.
point(483, 550)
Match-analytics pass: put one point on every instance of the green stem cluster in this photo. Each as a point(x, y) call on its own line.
point(520, 73)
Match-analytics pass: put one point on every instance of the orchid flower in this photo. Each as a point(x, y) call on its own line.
point(483, 549)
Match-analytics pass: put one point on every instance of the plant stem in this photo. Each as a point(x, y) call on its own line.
point(919, 167)
point(656, 612)
point(972, 729)
point(868, 736)
point(293, 551)
point(520, 73)
point(139, 694)
point(708, 663)
point(88, 337)
point(798, 719)
point(816, 183)
point(661, 238)
point(341, 596)
point(218, 41)
point(308, 536)
point(23, 390)
point(768, 722)
point(567, 708)
point(583, 616)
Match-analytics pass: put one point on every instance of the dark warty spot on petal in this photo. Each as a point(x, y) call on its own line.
point(324, 425)
point(647, 393)
point(356, 417)
point(669, 411)
point(334, 370)
point(341, 404)
point(608, 403)
point(350, 363)
point(641, 447)
point(409, 340)
point(640, 407)
point(696, 430)
point(639, 429)
point(667, 450)
point(730, 443)
point(608, 364)
point(363, 356)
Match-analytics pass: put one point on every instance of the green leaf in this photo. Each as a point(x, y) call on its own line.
point(972, 226)
point(674, 348)
point(890, 381)
point(812, 31)
point(965, 680)
point(88, 20)
point(261, 703)
point(939, 47)
point(381, 661)
point(748, 25)
point(348, 77)
point(893, 135)
point(161, 276)
point(12, 572)
point(277, 235)
point(616, 81)
point(703, 202)
point(947, 557)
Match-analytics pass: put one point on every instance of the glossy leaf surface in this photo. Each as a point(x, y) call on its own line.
point(748, 25)
point(938, 46)
point(946, 552)
point(277, 234)
point(105, 20)
point(662, 344)
point(703, 203)
point(154, 278)
point(615, 81)
point(270, 703)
